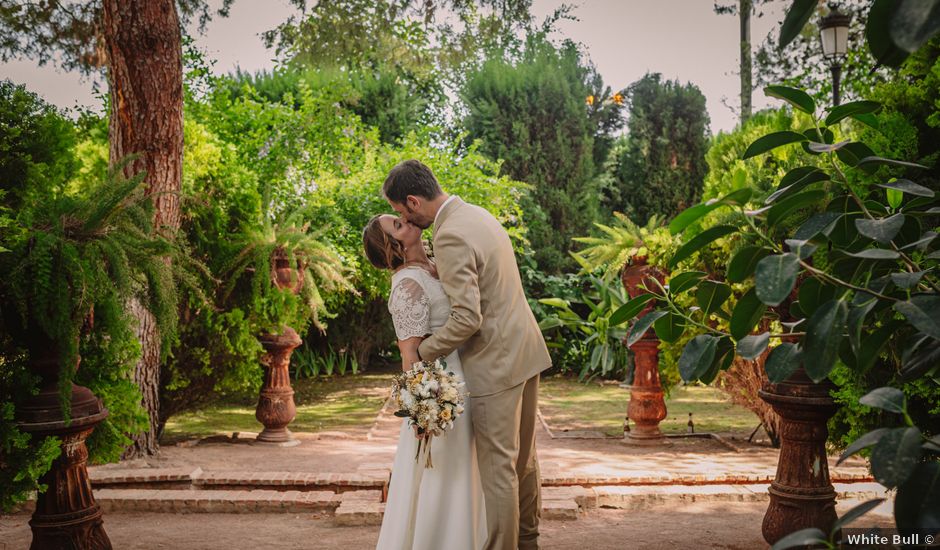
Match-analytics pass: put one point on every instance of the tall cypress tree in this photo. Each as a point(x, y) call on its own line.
point(660, 168)
point(535, 114)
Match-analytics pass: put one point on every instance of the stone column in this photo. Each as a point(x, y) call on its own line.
point(801, 494)
point(276, 407)
point(647, 407)
point(66, 514)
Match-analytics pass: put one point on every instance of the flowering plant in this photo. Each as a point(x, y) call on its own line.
point(432, 398)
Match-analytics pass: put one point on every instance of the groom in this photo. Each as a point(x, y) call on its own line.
point(501, 346)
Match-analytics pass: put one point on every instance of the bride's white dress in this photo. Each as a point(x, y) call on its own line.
point(446, 510)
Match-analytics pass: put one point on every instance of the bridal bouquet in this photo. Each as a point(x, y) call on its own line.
point(432, 398)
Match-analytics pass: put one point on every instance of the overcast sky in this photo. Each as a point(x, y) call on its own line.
point(682, 39)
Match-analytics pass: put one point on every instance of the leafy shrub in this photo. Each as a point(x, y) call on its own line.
point(532, 115)
point(841, 269)
point(36, 147)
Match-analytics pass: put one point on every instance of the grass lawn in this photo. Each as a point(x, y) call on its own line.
point(568, 404)
point(335, 403)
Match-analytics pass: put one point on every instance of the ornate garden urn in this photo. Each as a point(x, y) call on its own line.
point(66, 514)
point(647, 408)
point(276, 408)
point(801, 494)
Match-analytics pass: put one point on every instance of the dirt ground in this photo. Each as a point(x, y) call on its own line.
point(725, 525)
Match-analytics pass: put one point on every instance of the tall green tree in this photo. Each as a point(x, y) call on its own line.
point(535, 114)
point(138, 46)
point(660, 168)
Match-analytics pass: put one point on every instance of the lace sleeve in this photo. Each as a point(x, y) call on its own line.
point(410, 309)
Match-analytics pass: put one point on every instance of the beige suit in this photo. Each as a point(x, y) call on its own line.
point(502, 352)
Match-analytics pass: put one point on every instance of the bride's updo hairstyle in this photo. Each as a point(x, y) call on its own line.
point(382, 250)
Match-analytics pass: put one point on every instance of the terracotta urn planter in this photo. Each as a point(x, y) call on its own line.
point(801, 494)
point(647, 407)
point(276, 408)
point(66, 514)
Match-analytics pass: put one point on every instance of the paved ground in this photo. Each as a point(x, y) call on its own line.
point(682, 460)
point(726, 525)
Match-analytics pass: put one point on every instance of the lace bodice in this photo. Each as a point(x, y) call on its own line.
point(417, 303)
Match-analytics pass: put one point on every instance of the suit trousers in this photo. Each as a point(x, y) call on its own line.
point(504, 430)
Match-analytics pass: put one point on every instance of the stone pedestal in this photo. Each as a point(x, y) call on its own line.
point(647, 407)
point(801, 494)
point(66, 516)
point(276, 407)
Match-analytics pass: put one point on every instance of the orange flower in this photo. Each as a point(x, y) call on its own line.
point(618, 99)
point(590, 100)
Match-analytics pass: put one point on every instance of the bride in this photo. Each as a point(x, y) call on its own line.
point(427, 508)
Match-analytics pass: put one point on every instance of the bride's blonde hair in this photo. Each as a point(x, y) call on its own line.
point(382, 250)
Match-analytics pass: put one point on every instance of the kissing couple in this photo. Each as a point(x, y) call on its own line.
point(468, 308)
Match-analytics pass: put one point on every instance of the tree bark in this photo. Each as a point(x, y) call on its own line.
point(145, 72)
point(744, 14)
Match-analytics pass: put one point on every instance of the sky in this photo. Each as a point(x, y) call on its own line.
point(625, 39)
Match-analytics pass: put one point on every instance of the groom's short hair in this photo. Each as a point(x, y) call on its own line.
point(411, 177)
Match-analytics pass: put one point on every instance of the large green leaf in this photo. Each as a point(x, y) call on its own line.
point(690, 215)
point(875, 254)
point(700, 241)
point(846, 110)
point(909, 187)
point(856, 320)
point(880, 230)
point(549, 323)
point(920, 359)
point(787, 187)
point(914, 23)
point(747, 313)
point(669, 328)
point(922, 311)
point(855, 151)
point(782, 362)
point(771, 141)
point(555, 302)
point(905, 280)
point(816, 147)
point(885, 398)
point(871, 346)
point(824, 332)
point(711, 295)
point(812, 294)
point(797, 16)
point(743, 262)
point(878, 34)
point(681, 282)
point(820, 223)
point(790, 204)
point(798, 98)
point(697, 357)
point(917, 503)
point(629, 310)
point(642, 325)
point(863, 442)
point(775, 276)
point(896, 455)
point(888, 162)
point(856, 512)
point(750, 347)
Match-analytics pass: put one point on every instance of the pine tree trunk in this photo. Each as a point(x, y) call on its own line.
point(145, 72)
point(744, 14)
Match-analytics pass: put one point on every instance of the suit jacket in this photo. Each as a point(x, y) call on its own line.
point(490, 322)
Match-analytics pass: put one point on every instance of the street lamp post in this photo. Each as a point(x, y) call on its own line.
point(834, 35)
